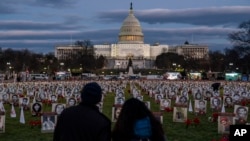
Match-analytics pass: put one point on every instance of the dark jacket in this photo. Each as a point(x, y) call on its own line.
point(82, 123)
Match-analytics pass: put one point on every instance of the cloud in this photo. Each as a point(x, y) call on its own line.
point(30, 25)
point(7, 7)
point(200, 25)
point(47, 39)
point(54, 3)
point(69, 22)
point(196, 16)
point(17, 6)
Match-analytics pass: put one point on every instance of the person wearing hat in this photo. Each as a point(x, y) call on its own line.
point(84, 122)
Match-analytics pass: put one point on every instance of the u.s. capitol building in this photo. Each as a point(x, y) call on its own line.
point(130, 45)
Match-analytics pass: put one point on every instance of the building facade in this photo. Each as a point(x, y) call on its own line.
point(131, 45)
point(194, 51)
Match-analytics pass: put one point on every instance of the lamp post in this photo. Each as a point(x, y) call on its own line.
point(61, 64)
point(118, 66)
point(45, 70)
point(230, 66)
point(8, 69)
point(174, 65)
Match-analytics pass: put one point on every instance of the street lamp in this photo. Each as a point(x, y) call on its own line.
point(45, 70)
point(118, 67)
point(61, 64)
point(230, 66)
point(8, 69)
point(174, 65)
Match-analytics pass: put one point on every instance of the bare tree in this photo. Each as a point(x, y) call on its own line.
point(241, 38)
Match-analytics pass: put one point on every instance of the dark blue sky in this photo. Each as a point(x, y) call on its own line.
point(40, 25)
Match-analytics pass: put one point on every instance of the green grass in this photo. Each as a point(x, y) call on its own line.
point(206, 131)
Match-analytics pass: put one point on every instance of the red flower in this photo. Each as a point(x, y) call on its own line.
point(243, 102)
point(21, 95)
point(48, 102)
point(34, 123)
point(168, 109)
point(188, 122)
point(31, 123)
point(196, 121)
point(215, 117)
point(37, 122)
point(224, 138)
point(60, 96)
point(44, 101)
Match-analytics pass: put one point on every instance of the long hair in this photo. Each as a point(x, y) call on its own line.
point(132, 110)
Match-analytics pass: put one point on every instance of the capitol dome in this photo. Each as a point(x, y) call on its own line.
point(131, 32)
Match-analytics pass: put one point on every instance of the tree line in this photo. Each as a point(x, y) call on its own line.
point(25, 60)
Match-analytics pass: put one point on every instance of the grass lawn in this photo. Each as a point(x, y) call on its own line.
point(205, 131)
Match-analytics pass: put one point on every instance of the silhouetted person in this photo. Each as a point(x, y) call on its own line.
point(84, 122)
point(136, 122)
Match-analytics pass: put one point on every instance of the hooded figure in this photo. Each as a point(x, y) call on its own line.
point(84, 122)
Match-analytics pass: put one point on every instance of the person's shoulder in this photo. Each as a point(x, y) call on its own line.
point(71, 109)
point(105, 118)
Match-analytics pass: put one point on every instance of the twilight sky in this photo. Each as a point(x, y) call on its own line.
point(40, 25)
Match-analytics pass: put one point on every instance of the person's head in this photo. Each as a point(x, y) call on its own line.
point(183, 99)
point(42, 95)
point(223, 120)
point(120, 100)
point(117, 112)
point(172, 93)
point(120, 94)
point(165, 102)
point(68, 93)
point(198, 95)
point(59, 108)
point(241, 112)
point(91, 93)
point(159, 97)
point(244, 94)
point(5, 97)
point(132, 111)
point(53, 97)
point(208, 94)
point(216, 102)
point(14, 98)
point(25, 100)
point(59, 91)
point(37, 107)
point(228, 100)
point(202, 104)
point(72, 102)
point(236, 97)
